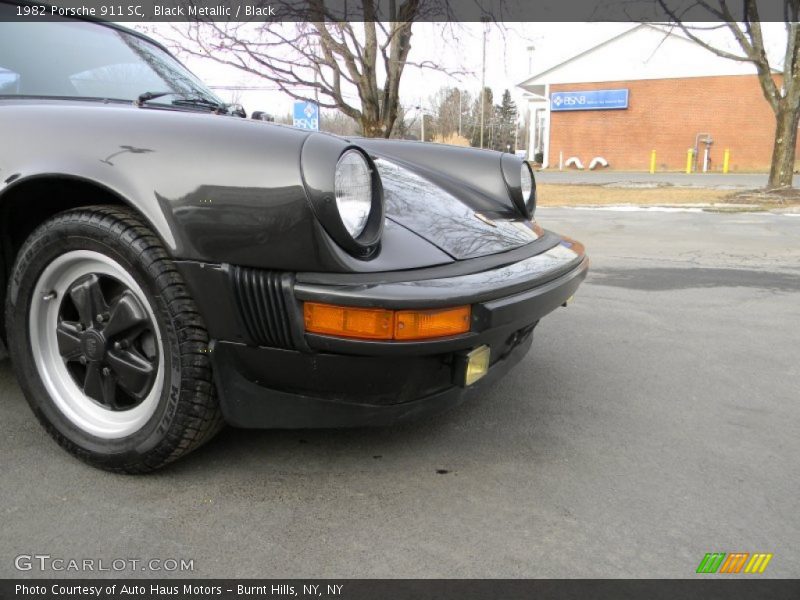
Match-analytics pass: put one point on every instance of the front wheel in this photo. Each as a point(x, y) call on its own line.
point(107, 343)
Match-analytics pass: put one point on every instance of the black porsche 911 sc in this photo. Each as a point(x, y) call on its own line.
point(168, 266)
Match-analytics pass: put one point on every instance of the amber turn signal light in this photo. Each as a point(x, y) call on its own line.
point(345, 321)
point(424, 324)
point(381, 324)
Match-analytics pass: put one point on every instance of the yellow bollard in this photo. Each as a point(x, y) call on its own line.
point(689, 156)
point(726, 160)
point(652, 162)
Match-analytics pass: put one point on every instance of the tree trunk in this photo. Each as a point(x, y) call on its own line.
point(372, 127)
point(783, 152)
point(374, 123)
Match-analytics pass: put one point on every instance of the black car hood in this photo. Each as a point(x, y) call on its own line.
point(445, 211)
point(226, 190)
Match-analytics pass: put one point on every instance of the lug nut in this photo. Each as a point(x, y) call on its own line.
point(79, 327)
point(82, 360)
point(106, 371)
point(101, 318)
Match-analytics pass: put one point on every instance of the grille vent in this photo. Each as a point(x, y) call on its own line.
point(262, 304)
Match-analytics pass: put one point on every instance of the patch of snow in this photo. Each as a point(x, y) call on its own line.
point(629, 208)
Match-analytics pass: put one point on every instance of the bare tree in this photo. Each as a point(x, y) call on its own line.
point(355, 68)
point(451, 106)
point(405, 123)
point(338, 123)
point(782, 92)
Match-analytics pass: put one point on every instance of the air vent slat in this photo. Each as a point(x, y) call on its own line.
point(262, 305)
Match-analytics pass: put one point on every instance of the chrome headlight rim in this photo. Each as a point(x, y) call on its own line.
point(354, 224)
point(319, 157)
point(365, 243)
point(530, 200)
point(512, 168)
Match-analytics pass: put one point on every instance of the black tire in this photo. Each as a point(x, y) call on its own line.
point(186, 412)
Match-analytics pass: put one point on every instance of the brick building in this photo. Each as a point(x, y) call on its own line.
point(649, 89)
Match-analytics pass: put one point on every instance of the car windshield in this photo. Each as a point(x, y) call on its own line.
point(75, 59)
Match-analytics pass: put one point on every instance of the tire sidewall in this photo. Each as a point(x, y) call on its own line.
point(45, 245)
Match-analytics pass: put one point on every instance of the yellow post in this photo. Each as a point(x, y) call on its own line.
point(726, 159)
point(689, 156)
point(652, 162)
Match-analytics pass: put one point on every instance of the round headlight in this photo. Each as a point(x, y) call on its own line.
point(353, 190)
point(526, 182)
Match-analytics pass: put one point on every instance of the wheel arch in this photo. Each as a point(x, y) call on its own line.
point(28, 202)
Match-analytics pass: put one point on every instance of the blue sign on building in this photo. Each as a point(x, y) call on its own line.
point(306, 115)
point(589, 100)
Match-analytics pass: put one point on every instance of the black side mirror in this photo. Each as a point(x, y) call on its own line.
point(260, 115)
point(237, 110)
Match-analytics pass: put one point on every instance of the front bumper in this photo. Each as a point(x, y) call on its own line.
point(271, 374)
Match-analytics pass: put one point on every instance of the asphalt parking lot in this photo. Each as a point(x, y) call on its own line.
point(656, 419)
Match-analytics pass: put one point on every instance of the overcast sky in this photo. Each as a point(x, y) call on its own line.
point(512, 54)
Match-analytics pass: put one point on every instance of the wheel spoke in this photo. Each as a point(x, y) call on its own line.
point(69, 340)
point(93, 382)
point(100, 387)
point(88, 299)
point(110, 391)
point(126, 314)
point(135, 374)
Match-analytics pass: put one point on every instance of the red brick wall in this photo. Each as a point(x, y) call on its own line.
point(665, 115)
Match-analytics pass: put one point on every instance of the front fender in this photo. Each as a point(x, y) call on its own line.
point(214, 188)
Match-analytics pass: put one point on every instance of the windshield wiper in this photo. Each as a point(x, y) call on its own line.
point(147, 96)
point(220, 108)
point(183, 100)
point(200, 101)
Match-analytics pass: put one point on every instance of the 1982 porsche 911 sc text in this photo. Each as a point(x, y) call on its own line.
point(169, 265)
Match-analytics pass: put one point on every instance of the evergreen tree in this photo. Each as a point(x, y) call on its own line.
point(506, 124)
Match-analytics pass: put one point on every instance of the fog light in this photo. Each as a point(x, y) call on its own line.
point(477, 364)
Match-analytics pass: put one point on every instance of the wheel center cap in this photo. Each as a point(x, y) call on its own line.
point(94, 345)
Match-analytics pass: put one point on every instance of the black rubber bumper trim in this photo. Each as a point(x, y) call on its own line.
point(507, 314)
point(220, 300)
point(247, 404)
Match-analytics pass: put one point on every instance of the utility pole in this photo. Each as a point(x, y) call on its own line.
point(316, 90)
point(516, 135)
point(530, 59)
point(460, 110)
point(528, 122)
point(483, 79)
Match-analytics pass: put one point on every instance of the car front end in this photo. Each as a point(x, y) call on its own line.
point(274, 369)
point(169, 266)
point(331, 349)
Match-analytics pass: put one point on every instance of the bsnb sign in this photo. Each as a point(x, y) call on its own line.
point(589, 100)
point(306, 115)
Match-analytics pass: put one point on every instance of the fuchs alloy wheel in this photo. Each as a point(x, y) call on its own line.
point(107, 343)
point(96, 345)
